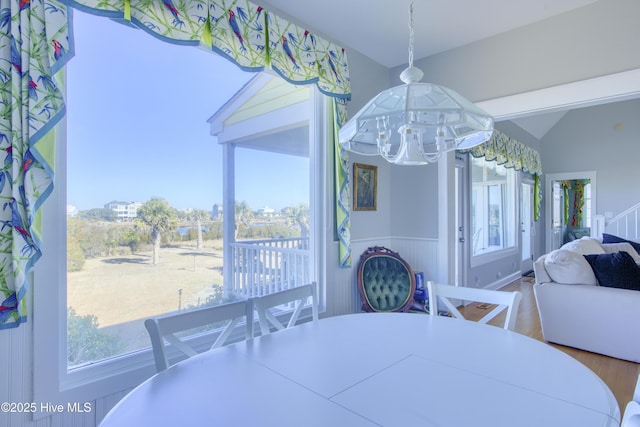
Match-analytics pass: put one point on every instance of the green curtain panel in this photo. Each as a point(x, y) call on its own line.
point(34, 45)
point(513, 154)
point(37, 40)
point(566, 186)
point(573, 195)
point(343, 198)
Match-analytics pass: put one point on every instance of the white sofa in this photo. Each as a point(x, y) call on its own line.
point(575, 311)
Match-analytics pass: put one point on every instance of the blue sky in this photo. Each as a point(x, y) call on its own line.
point(137, 111)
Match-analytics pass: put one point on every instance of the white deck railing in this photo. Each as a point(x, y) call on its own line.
point(626, 224)
point(262, 267)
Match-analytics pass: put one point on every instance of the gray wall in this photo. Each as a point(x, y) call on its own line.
point(407, 196)
point(605, 139)
point(368, 79)
point(599, 39)
point(414, 201)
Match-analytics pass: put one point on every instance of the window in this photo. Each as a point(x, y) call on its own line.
point(138, 153)
point(492, 207)
point(587, 205)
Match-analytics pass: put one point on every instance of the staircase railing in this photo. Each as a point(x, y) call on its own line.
point(626, 224)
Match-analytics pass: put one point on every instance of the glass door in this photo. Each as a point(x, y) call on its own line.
point(462, 249)
point(526, 227)
point(557, 219)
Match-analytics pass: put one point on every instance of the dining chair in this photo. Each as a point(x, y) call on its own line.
point(163, 330)
point(631, 416)
point(299, 296)
point(386, 282)
point(502, 299)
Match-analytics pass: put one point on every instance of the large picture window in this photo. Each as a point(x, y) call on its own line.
point(145, 187)
point(133, 115)
point(142, 186)
point(493, 214)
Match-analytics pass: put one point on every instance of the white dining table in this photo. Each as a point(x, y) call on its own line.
point(375, 369)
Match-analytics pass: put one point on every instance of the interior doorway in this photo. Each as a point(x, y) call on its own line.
point(570, 206)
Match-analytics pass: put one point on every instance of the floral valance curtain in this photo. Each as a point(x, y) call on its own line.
point(239, 30)
point(36, 40)
point(513, 154)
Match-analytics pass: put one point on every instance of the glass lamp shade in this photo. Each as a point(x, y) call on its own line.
point(414, 123)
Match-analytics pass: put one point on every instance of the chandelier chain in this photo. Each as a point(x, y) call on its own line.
point(411, 36)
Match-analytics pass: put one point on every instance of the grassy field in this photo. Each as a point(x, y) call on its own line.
point(125, 288)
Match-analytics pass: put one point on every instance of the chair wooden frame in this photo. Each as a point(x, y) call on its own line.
point(300, 295)
point(163, 329)
point(504, 300)
point(380, 251)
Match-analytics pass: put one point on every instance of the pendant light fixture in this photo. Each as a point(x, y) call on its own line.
point(415, 123)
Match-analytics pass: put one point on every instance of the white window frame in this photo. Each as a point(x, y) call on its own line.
point(488, 257)
point(52, 381)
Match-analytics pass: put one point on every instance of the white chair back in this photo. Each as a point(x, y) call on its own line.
point(631, 416)
point(299, 295)
point(503, 300)
point(162, 329)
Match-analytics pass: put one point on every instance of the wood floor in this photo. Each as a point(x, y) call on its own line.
point(619, 375)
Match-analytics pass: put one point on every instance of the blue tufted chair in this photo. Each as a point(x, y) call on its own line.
point(386, 282)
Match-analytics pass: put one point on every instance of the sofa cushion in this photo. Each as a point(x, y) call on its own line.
point(615, 270)
point(584, 246)
point(623, 246)
point(569, 267)
point(610, 238)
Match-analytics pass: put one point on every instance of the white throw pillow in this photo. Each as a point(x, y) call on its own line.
point(584, 246)
point(569, 267)
point(622, 247)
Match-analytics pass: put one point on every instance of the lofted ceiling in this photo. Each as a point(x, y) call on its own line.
point(379, 29)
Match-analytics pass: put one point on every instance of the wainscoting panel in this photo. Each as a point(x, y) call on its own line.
point(102, 406)
point(421, 254)
point(342, 292)
point(16, 359)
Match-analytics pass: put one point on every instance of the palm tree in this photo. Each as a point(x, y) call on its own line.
point(300, 215)
point(244, 214)
point(159, 217)
point(197, 216)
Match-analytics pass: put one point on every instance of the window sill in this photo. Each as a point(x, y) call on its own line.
point(486, 258)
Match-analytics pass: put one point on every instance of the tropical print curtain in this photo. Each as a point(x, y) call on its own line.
point(343, 198)
point(36, 40)
point(573, 213)
point(513, 154)
point(33, 47)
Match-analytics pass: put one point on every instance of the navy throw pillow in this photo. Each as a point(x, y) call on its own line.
point(610, 238)
point(615, 270)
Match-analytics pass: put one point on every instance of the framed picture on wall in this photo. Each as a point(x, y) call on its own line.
point(365, 187)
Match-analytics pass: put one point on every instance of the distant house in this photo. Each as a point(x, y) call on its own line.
point(72, 210)
point(216, 212)
point(124, 210)
point(266, 211)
